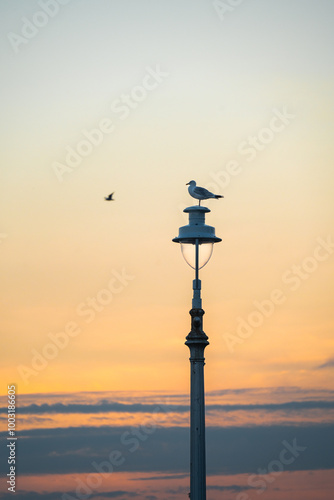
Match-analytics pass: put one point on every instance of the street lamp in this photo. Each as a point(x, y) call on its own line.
point(197, 240)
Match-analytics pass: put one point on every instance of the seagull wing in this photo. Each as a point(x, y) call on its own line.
point(202, 192)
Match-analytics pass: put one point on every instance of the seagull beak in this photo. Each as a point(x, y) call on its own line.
point(187, 183)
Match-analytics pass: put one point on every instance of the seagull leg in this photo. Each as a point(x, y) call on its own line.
point(199, 203)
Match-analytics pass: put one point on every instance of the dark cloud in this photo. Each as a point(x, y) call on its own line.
point(102, 407)
point(57, 495)
point(115, 494)
point(32, 495)
point(161, 476)
point(231, 450)
point(230, 487)
point(60, 408)
point(328, 364)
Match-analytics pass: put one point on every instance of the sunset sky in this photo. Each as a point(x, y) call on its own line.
point(140, 97)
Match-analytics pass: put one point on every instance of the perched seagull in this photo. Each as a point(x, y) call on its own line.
point(109, 198)
point(200, 193)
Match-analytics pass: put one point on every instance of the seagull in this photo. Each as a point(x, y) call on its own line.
point(109, 198)
point(200, 193)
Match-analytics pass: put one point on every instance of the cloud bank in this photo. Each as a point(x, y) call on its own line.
point(232, 450)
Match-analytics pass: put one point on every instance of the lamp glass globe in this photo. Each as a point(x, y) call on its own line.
point(204, 254)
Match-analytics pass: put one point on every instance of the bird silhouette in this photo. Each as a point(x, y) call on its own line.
point(109, 198)
point(200, 193)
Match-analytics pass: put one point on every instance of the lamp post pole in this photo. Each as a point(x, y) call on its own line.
point(197, 342)
point(197, 233)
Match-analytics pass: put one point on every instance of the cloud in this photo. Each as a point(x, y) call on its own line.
point(102, 407)
point(116, 494)
point(230, 487)
point(60, 408)
point(57, 495)
point(32, 495)
point(231, 450)
point(163, 476)
point(328, 364)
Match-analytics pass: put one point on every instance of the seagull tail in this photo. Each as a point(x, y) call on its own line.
point(218, 196)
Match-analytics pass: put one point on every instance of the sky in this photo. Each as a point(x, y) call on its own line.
point(138, 98)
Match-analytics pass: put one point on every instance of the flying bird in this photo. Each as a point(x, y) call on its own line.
point(200, 193)
point(109, 198)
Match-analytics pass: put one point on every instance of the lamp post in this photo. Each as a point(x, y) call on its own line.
point(197, 240)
